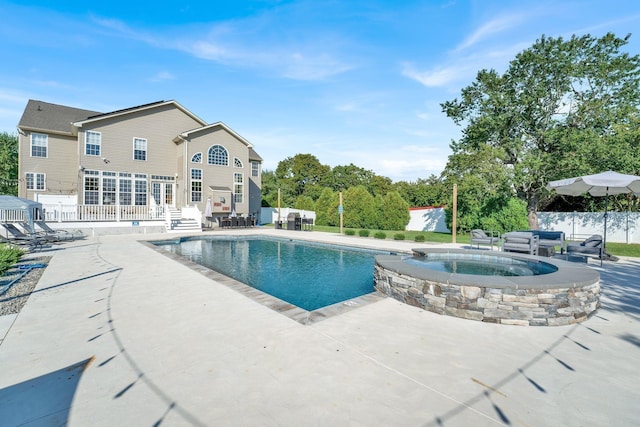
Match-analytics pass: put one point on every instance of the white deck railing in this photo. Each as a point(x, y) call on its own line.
point(12, 215)
point(67, 213)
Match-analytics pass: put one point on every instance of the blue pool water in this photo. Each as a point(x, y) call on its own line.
point(481, 265)
point(309, 276)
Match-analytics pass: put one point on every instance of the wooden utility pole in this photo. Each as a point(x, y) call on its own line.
point(455, 213)
point(340, 211)
point(278, 208)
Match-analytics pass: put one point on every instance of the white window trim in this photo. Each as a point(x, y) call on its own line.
point(34, 180)
point(191, 181)
point(195, 154)
point(99, 144)
point(46, 145)
point(218, 164)
point(238, 183)
point(237, 161)
point(146, 150)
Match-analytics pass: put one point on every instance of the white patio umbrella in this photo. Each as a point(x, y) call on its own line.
point(600, 184)
point(207, 208)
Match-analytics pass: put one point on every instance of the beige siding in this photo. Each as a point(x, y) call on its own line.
point(60, 166)
point(158, 126)
point(221, 176)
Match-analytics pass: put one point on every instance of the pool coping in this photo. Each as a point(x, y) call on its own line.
point(568, 275)
point(300, 315)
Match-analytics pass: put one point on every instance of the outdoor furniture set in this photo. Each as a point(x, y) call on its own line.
point(236, 222)
point(541, 243)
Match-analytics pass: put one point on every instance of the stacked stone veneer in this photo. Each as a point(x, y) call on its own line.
point(534, 306)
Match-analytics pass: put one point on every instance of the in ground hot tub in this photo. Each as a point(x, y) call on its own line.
point(500, 287)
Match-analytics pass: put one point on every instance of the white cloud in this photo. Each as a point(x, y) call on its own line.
point(436, 77)
point(494, 26)
point(162, 76)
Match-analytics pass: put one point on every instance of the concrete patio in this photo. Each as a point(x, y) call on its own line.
point(116, 333)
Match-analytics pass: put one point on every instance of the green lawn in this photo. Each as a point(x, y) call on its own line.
point(620, 249)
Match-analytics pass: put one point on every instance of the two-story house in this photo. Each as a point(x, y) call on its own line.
point(135, 164)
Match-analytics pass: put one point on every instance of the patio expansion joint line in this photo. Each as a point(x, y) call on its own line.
point(140, 375)
point(399, 373)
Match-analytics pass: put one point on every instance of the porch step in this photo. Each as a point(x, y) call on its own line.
point(184, 225)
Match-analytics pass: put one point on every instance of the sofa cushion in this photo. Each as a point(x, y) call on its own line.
point(592, 241)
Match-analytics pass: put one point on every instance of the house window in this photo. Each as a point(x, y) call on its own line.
point(125, 189)
point(35, 181)
point(255, 168)
point(238, 187)
point(109, 188)
point(92, 142)
point(141, 190)
point(196, 185)
point(92, 188)
point(218, 155)
point(139, 149)
point(39, 144)
point(237, 162)
point(197, 158)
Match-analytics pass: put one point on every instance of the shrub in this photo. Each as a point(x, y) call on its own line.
point(8, 257)
point(419, 238)
point(398, 236)
point(380, 235)
point(350, 232)
point(363, 233)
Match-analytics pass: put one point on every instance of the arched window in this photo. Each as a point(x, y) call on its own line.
point(218, 155)
point(237, 162)
point(197, 158)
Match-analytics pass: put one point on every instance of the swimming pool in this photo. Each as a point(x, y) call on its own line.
point(308, 275)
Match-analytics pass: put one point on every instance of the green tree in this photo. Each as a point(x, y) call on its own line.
point(394, 212)
point(323, 207)
point(298, 173)
point(424, 192)
point(359, 208)
point(550, 93)
point(8, 164)
point(269, 189)
point(305, 203)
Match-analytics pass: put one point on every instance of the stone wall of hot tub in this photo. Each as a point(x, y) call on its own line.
point(504, 305)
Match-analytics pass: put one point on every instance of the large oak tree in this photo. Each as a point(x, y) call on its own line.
point(549, 114)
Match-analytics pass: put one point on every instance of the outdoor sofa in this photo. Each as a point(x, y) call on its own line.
point(520, 241)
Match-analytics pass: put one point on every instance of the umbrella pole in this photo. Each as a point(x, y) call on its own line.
point(606, 214)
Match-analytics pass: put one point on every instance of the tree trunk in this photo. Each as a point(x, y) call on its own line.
point(532, 211)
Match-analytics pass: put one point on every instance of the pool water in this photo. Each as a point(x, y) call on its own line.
point(481, 265)
point(310, 276)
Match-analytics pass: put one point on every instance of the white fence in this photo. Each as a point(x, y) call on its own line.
point(427, 219)
point(622, 227)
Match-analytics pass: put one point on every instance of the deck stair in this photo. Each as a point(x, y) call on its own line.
point(177, 224)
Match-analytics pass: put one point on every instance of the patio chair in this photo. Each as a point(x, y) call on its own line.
point(480, 237)
point(590, 247)
point(18, 238)
point(59, 234)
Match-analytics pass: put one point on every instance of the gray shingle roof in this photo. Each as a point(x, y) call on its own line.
point(51, 117)
point(254, 156)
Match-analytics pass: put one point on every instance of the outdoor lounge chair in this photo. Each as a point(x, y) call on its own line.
point(480, 237)
point(590, 247)
point(59, 234)
point(16, 232)
point(21, 239)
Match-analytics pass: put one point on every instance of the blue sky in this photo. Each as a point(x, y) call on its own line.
point(348, 81)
